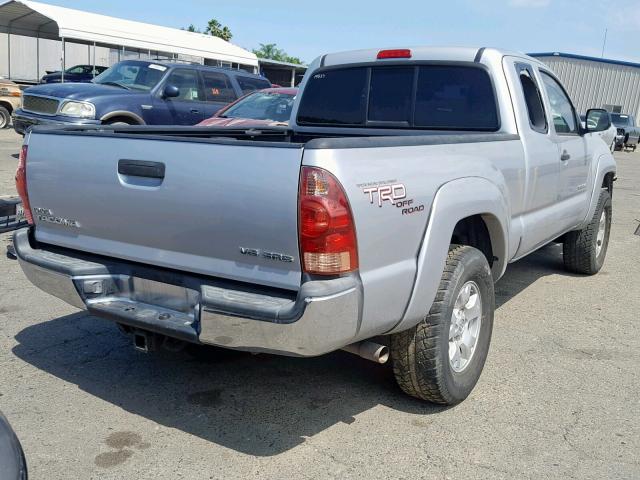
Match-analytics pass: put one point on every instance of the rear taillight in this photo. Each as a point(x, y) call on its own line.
point(327, 232)
point(21, 184)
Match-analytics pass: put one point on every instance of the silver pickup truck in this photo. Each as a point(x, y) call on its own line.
point(377, 222)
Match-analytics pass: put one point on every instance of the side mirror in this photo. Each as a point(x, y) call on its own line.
point(597, 120)
point(170, 91)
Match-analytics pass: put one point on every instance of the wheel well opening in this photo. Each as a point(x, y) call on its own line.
point(121, 118)
point(7, 105)
point(607, 182)
point(473, 231)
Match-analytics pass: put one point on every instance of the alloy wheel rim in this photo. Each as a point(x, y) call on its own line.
point(602, 230)
point(464, 329)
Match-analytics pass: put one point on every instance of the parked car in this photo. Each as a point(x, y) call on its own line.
point(136, 92)
point(79, 73)
point(628, 133)
point(10, 99)
point(377, 222)
point(271, 106)
point(608, 135)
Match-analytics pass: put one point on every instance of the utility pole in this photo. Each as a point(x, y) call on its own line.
point(604, 43)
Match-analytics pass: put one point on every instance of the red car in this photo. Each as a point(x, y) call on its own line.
point(268, 107)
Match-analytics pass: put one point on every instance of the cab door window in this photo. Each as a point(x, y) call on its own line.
point(562, 113)
point(188, 84)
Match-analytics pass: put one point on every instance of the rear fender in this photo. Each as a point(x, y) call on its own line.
point(453, 202)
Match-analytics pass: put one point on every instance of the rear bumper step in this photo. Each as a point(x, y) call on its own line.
point(321, 317)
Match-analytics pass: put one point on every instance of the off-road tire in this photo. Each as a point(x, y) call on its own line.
point(420, 355)
point(579, 247)
point(5, 118)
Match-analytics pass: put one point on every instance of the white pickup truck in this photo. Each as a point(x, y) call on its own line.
point(377, 222)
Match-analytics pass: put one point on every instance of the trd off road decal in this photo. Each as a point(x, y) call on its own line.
point(393, 192)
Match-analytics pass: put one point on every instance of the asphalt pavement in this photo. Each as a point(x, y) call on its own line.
point(559, 396)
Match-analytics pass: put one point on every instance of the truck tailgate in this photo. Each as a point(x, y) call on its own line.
point(226, 208)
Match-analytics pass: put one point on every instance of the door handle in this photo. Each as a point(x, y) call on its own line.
point(565, 156)
point(141, 168)
point(195, 110)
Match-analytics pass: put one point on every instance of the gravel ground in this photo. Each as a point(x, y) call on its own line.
point(558, 397)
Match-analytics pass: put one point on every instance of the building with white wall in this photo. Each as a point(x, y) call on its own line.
point(597, 82)
point(37, 37)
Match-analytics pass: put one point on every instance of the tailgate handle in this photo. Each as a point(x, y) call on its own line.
point(141, 168)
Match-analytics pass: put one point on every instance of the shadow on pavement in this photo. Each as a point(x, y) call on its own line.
point(256, 404)
point(521, 274)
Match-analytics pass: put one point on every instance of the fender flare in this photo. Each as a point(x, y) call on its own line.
point(123, 113)
point(454, 201)
point(606, 164)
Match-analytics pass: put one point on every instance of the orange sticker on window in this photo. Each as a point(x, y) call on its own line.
point(215, 91)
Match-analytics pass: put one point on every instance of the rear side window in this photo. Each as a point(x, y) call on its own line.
point(217, 87)
point(532, 99)
point(249, 84)
point(431, 97)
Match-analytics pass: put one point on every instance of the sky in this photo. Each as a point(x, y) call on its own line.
point(306, 29)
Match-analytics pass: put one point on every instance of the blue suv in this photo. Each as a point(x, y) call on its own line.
point(136, 92)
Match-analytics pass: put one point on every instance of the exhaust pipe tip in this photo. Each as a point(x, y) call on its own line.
point(382, 354)
point(372, 351)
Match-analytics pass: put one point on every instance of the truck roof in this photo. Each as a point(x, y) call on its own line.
point(424, 53)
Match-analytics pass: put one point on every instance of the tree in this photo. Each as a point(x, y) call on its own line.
point(272, 52)
point(293, 60)
point(215, 28)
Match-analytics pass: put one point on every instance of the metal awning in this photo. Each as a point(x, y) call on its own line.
point(279, 64)
point(25, 17)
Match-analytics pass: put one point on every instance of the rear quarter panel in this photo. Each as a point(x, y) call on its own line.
point(389, 240)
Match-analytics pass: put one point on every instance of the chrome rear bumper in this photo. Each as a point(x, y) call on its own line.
point(23, 120)
point(321, 317)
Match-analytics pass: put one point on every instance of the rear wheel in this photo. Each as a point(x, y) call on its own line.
point(5, 117)
point(584, 250)
point(441, 358)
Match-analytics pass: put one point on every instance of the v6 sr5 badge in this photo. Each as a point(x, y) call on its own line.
point(391, 193)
